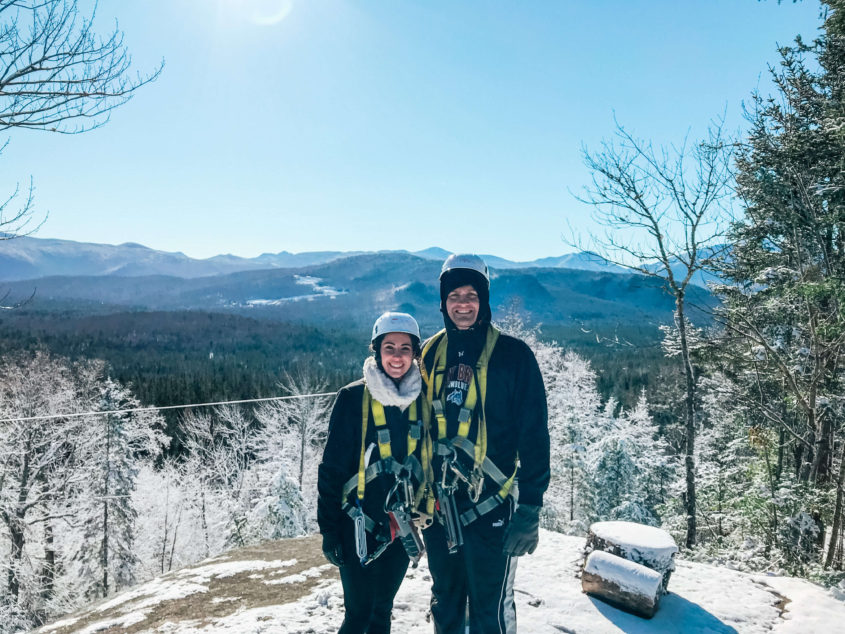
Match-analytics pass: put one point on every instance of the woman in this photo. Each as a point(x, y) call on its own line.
point(370, 476)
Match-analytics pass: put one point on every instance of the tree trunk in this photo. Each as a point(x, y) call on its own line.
point(773, 525)
point(166, 519)
point(16, 539)
point(48, 576)
point(807, 457)
point(205, 524)
point(820, 473)
point(16, 527)
point(104, 555)
point(303, 442)
point(689, 412)
point(837, 512)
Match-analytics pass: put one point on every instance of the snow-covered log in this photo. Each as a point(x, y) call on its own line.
point(625, 584)
point(651, 547)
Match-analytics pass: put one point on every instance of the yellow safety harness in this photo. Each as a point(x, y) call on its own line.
point(387, 464)
point(435, 404)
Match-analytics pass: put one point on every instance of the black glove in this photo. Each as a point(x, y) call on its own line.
point(332, 550)
point(523, 532)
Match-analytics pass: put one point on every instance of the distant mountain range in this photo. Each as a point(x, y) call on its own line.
point(30, 258)
point(351, 289)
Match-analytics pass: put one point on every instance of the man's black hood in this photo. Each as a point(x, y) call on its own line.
point(455, 278)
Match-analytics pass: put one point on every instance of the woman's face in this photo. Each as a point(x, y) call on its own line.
point(397, 354)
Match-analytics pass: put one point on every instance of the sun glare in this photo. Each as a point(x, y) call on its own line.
point(260, 12)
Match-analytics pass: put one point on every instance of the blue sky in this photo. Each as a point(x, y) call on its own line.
point(306, 125)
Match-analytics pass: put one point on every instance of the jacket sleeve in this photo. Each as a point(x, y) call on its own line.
point(534, 471)
point(338, 462)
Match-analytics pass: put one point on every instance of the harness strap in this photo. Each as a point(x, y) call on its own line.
point(369, 404)
point(411, 464)
point(490, 470)
point(434, 386)
point(477, 452)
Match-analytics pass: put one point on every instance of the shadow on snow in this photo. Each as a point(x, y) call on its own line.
point(675, 614)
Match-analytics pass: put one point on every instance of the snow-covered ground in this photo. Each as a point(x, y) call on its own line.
point(286, 587)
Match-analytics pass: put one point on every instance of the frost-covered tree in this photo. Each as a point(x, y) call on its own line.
point(57, 74)
point(629, 466)
point(656, 465)
point(576, 420)
point(36, 461)
point(112, 448)
point(292, 436)
point(784, 290)
point(206, 473)
point(64, 474)
point(663, 210)
point(241, 474)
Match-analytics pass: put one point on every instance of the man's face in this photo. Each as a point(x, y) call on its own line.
point(462, 306)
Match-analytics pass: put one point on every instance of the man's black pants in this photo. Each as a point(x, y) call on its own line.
point(479, 572)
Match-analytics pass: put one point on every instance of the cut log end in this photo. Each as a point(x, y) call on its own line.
point(622, 583)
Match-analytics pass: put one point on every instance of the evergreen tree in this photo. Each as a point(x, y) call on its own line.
point(113, 445)
point(576, 421)
point(783, 300)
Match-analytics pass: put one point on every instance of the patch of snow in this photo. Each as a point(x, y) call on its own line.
point(176, 590)
point(228, 569)
point(124, 621)
point(157, 590)
point(810, 609)
point(60, 624)
point(648, 545)
point(702, 599)
point(314, 613)
point(314, 283)
point(318, 290)
point(301, 576)
point(284, 564)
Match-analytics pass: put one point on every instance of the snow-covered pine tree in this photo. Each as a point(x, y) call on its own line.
point(112, 446)
point(783, 300)
point(576, 420)
point(654, 464)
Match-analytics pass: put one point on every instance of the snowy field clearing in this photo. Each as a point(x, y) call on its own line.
point(286, 586)
point(318, 290)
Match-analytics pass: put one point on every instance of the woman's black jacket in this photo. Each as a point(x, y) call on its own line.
point(341, 459)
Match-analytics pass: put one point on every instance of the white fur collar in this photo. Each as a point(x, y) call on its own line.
point(386, 392)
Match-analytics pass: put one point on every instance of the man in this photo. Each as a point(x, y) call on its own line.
point(486, 410)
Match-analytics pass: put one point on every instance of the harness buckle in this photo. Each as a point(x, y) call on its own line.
point(360, 533)
point(399, 508)
point(475, 484)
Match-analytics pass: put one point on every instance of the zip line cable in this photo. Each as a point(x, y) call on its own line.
point(163, 407)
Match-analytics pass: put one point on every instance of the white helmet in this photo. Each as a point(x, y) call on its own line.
point(465, 261)
point(396, 322)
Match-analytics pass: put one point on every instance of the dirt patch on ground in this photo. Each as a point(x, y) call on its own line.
point(781, 601)
point(270, 573)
